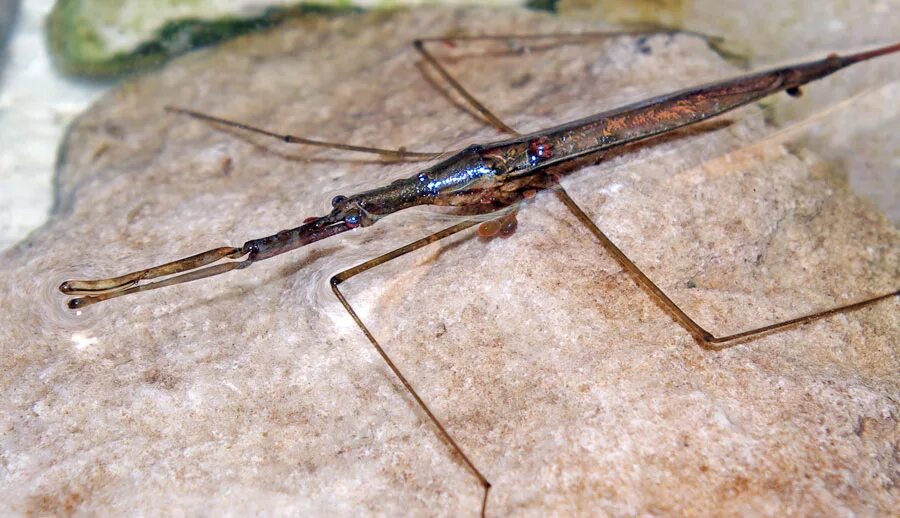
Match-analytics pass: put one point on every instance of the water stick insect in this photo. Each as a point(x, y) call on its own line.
point(488, 177)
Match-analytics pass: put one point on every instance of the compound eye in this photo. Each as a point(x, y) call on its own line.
point(352, 220)
point(337, 200)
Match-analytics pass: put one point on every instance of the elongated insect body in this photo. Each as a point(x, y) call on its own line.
point(490, 176)
point(480, 173)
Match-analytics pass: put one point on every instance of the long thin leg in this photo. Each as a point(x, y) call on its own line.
point(562, 38)
point(485, 113)
point(703, 337)
point(372, 263)
point(396, 154)
point(419, 45)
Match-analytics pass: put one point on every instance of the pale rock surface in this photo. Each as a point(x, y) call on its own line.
point(568, 387)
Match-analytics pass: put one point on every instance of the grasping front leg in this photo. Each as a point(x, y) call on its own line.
point(200, 266)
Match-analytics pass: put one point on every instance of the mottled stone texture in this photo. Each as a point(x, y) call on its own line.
point(564, 383)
